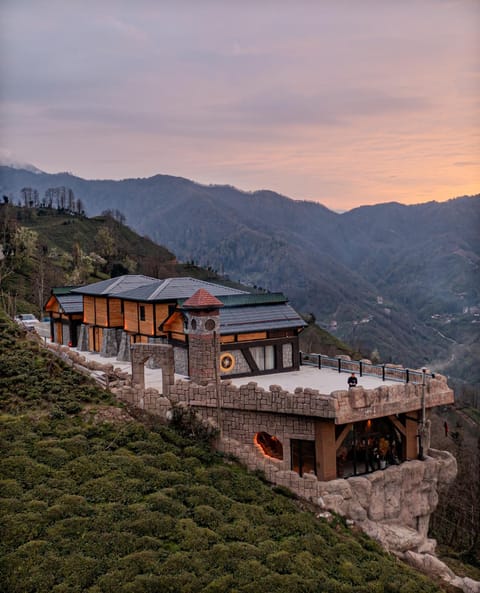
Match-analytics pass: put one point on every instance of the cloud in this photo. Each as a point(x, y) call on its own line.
point(320, 100)
point(279, 107)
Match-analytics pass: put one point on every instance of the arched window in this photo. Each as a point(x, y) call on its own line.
point(269, 444)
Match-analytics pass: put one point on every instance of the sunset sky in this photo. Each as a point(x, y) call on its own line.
point(341, 102)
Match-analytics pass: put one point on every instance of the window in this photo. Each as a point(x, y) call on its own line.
point(370, 445)
point(303, 456)
point(264, 357)
point(142, 313)
point(269, 444)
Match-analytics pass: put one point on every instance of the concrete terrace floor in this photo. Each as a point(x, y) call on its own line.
point(325, 380)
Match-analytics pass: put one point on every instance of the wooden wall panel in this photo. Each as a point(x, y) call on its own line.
point(180, 337)
point(101, 317)
point(227, 339)
point(175, 323)
point(253, 336)
point(130, 317)
point(98, 339)
point(52, 305)
point(146, 327)
point(89, 310)
point(161, 313)
point(115, 314)
point(410, 446)
point(58, 332)
point(91, 340)
point(325, 450)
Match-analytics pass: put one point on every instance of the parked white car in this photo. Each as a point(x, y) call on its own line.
point(27, 320)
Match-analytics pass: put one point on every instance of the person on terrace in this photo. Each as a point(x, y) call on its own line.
point(352, 380)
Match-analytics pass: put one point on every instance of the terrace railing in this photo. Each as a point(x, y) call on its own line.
point(386, 372)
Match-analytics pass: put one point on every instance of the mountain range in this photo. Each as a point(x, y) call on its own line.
point(399, 282)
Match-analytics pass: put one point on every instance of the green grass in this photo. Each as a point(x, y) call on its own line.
point(126, 508)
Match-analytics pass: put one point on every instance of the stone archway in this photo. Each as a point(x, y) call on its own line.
point(162, 354)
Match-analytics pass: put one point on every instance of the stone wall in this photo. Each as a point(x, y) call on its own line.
point(241, 365)
point(242, 427)
point(180, 356)
point(358, 403)
point(344, 406)
point(111, 338)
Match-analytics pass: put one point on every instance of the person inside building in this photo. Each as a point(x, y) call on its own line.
point(352, 380)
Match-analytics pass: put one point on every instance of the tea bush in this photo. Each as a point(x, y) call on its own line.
point(122, 508)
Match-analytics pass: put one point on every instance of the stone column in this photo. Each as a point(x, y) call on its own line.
point(202, 326)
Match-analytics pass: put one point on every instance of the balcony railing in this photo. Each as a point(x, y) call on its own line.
point(386, 372)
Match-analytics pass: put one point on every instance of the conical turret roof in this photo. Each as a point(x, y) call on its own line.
point(202, 299)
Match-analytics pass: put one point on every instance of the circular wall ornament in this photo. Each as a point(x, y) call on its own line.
point(209, 325)
point(227, 362)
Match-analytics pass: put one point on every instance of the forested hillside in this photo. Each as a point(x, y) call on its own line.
point(46, 247)
point(94, 500)
point(397, 280)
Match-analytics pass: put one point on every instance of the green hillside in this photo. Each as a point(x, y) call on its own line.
point(45, 247)
point(95, 501)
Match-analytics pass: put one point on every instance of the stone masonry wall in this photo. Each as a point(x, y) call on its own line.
point(242, 426)
point(345, 406)
point(203, 352)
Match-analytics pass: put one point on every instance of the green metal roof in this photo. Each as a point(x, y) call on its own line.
point(241, 300)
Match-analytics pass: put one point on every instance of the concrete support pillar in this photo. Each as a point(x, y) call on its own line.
point(110, 342)
point(123, 354)
point(325, 450)
point(168, 373)
point(138, 373)
point(82, 344)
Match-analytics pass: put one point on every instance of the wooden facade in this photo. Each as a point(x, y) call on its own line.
point(66, 316)
point(147, 309)
point(103, 311)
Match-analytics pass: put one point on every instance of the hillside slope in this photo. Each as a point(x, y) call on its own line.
point(95, 501)
point(45, 247)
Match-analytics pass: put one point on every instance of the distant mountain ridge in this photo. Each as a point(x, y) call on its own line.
point(389, 277)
